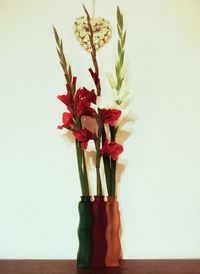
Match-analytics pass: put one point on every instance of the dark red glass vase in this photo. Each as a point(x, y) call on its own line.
point(98, 231)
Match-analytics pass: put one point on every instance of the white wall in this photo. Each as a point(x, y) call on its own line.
point(160, 187)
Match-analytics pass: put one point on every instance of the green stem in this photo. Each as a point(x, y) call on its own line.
point(86, 184)
point(113, 131)
point(98, 158)
point(107, 165)
point(82, 174)
point(113, 177)
point(99, 186)
point(79, 162)
point(82, 165)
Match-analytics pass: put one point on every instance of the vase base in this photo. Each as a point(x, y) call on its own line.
point(114, 264)
point(98, 265)
point(83, 265)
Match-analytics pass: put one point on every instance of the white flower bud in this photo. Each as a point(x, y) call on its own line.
point(111, 80)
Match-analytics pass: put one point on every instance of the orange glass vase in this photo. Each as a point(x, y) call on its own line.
point(113, 254)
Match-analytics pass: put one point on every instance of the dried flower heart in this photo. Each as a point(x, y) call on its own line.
point(101, 29)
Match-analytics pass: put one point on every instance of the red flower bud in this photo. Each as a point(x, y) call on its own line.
point(94, 76)
point(74, 81)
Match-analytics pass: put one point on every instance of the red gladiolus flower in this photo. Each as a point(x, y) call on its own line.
point(109, 116)
point(83, 136)
point(67, 120)
point(84, 110)
point(112, 149)
point(67, 99)
point(83, 100)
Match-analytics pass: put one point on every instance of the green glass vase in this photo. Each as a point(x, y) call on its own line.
point(85, 232)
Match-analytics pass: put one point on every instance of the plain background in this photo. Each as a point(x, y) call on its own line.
point(160, 187)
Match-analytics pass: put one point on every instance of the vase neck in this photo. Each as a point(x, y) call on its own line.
point(85, 198)
point(111, 198)
point(99, 198)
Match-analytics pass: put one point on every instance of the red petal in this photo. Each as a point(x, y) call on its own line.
point(83, 135)
point(67, 120)
point(60, 127)
point(84, 145)
point(109, 116)
point(112, 149)
point(67, 100)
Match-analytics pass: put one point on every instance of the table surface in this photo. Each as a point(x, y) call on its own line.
point(126, 267)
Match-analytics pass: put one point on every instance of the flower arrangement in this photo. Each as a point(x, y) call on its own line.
point(99, 227)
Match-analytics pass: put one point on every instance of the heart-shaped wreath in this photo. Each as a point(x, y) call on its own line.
point(102, 32)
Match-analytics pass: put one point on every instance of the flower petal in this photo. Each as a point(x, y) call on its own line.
point(111, 149)
point(109, 116)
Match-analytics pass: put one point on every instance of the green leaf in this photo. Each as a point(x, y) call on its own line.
point(61, 45)
point(121, 58)
point(119, 31)
point(119, 47)
point(58, 52)
point(111, 80)
point(56, 36)
point(122, 22)
point(63, 67)
point(120, 83)
point(119, 18)
point(64, 59)
point(118, 14)
point(117, 70)
point(124, 39)
point(67, 77)
point(70, 73)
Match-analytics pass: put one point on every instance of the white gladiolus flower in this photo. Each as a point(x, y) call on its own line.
point(122, 97)
point(111, 99)
point(108, 99)
point(122, 94)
